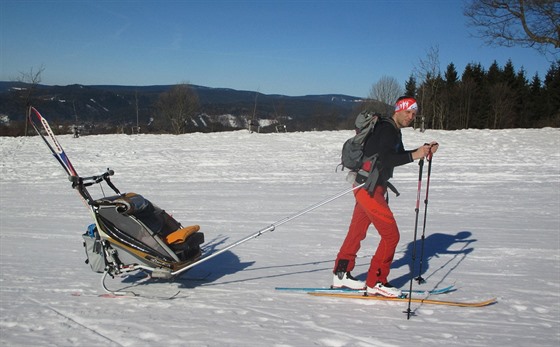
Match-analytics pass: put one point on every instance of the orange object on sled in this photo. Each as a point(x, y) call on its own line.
point(181, 235)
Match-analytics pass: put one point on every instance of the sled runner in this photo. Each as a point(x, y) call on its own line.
point(130, 233)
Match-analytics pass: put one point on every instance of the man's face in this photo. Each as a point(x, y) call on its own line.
point(404, 118)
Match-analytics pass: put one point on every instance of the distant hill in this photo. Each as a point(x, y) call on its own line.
point(119, 105)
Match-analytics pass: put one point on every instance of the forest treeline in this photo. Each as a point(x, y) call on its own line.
point(494, 98)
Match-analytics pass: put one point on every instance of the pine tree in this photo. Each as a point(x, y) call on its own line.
point(551, 93)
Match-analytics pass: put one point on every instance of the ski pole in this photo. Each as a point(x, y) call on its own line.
point(420, 279)
point(271, 227)
point(413, 260)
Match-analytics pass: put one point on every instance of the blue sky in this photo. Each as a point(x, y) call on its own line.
point(292, 47)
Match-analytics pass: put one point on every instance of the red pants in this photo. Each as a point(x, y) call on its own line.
point(371, 210)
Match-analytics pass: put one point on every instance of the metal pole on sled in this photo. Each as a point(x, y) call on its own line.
point(271, 227)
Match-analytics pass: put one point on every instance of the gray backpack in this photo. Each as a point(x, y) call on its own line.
point(94, 249)
point(352, 156)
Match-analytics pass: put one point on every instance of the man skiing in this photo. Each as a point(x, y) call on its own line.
point(372, 206)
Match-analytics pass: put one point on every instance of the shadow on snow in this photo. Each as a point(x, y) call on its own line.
point(434, 246)
point(228, 263)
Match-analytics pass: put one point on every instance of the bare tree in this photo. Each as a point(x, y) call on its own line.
point(527, 23)
point(501, 106)
point(466, 93)
point(429, 75)
point(430, 66)
point(386, 90)
point(32, 78)
point(178, 106)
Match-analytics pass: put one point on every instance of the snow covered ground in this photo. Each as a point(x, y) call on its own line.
point(493, 229)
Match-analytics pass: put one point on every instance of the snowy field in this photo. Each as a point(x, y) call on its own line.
point(492, 231)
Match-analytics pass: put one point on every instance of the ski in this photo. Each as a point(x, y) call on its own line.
point(418, 300)
point(350, 291)
point(51, 141)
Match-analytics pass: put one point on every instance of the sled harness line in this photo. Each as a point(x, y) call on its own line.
point(271, 227)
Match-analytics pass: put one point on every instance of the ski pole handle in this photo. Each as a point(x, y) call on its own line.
point(430, 153)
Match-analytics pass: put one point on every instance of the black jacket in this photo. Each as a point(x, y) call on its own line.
point(386, 140)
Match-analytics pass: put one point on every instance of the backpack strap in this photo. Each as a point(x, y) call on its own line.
point(370, 178)
point(392, 188)
point(389, 184)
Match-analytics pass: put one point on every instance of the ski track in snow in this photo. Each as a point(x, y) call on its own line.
point(492, 230)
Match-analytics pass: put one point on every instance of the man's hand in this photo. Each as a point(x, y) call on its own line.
point(425, 150)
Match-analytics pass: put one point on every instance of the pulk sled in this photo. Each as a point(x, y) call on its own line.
point(130, 233)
